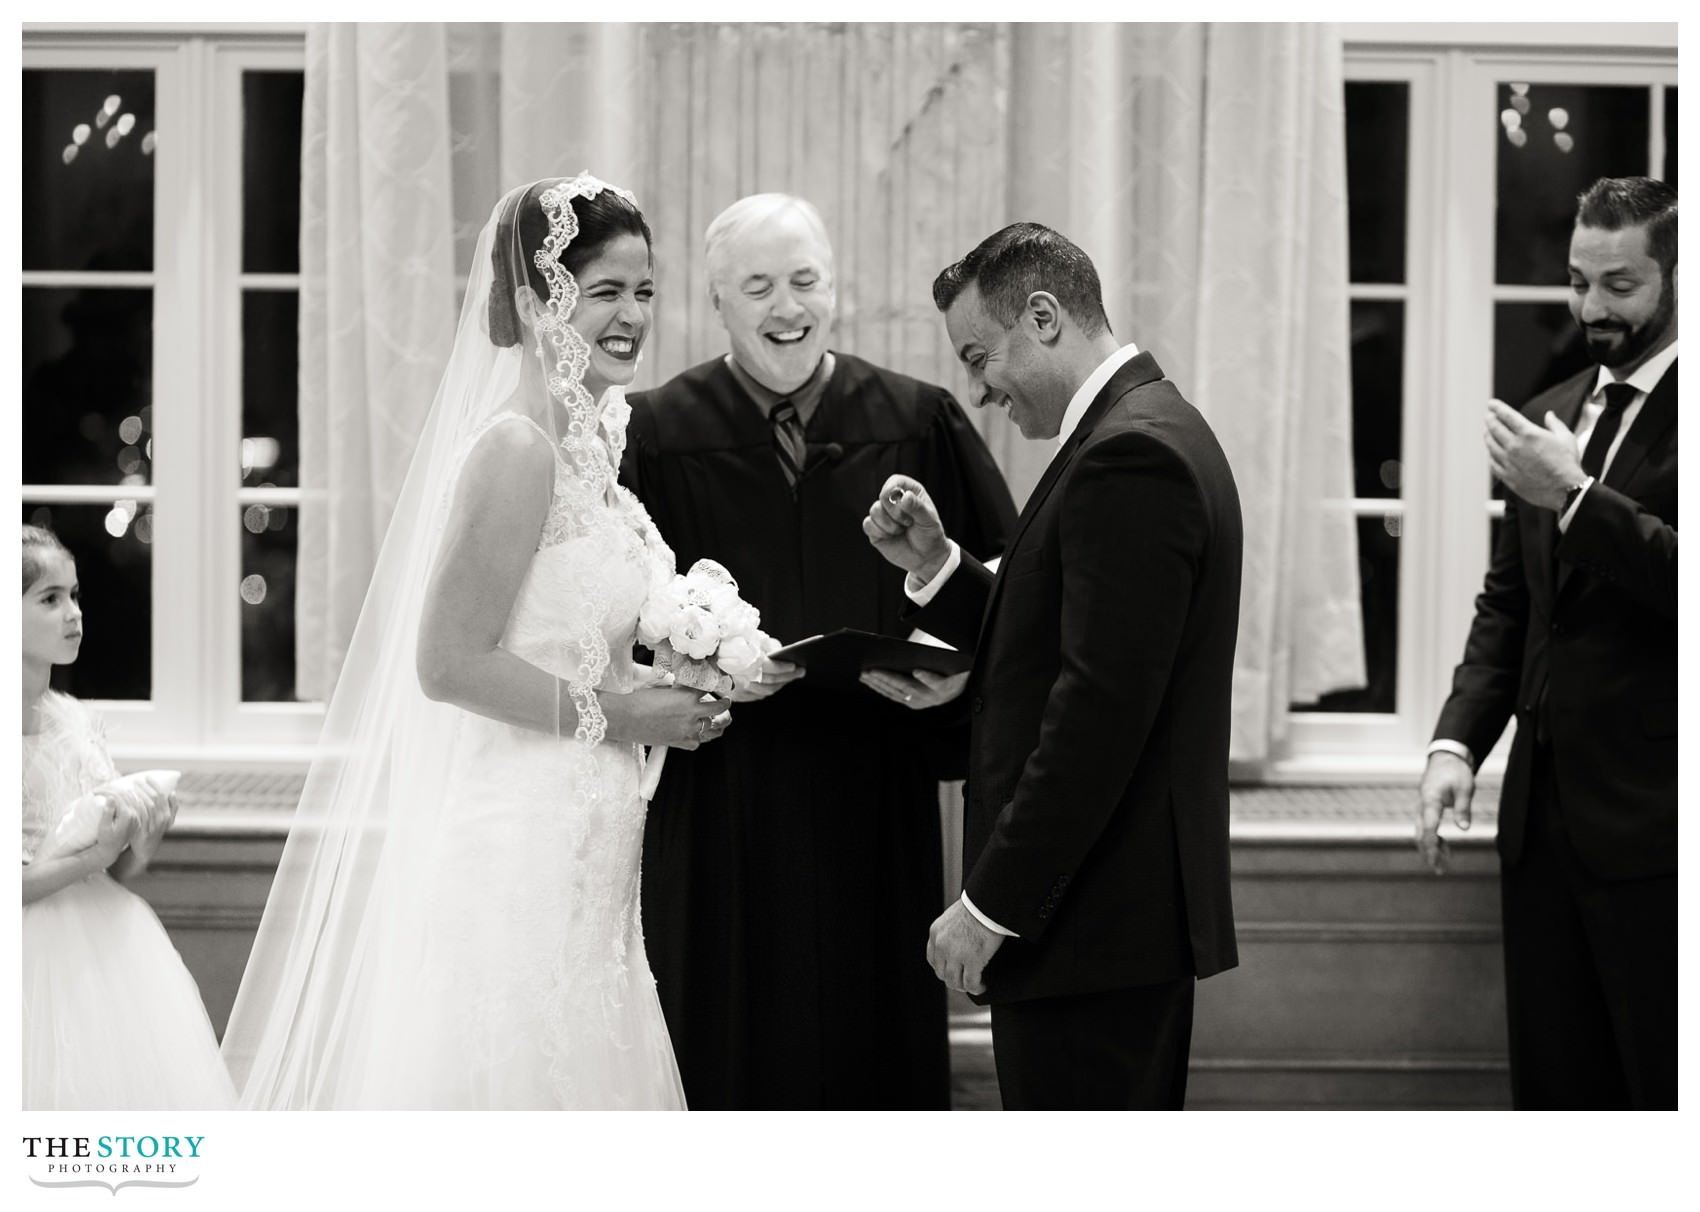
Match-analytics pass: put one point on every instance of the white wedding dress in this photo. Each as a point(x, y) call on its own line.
point(454, 921)
point(530, 985)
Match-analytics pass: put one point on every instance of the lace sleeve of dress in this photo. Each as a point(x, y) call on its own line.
point(592, 723)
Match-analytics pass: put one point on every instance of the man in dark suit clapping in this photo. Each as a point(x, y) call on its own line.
point(1096, 828)
point(1576, 635)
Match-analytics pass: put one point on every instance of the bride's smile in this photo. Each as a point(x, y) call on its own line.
point(613, 311)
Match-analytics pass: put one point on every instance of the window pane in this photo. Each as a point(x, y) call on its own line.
point(111, 544)
point(1378, 572)
point(271, 172)
point(87, 185)
point(269, 536)
point(1535, 345)
point(88, 383)
point(270, 363)
point(1670, 135)
point(1377, 174)
point(1378, 367)
point(1554, 141)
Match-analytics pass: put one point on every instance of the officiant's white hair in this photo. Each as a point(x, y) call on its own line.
point(751, 212)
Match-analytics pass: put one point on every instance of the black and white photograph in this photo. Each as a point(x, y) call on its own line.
point(897, 566)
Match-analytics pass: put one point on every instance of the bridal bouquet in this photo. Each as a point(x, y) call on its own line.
point(702, 632)
point(704, 635)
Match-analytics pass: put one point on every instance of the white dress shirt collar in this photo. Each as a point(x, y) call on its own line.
point(1645, 378)
point(1089, 390)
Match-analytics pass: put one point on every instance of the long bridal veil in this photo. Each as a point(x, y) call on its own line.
point(334, 946)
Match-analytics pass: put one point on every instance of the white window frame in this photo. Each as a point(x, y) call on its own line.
point(1449, 292)
point(194, 715)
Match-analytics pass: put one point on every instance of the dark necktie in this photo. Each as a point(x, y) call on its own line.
point(788, 439)
point(1618, 398)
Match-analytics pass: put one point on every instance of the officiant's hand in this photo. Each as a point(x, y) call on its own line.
point(959, 948)
point(924, 689)
point(768, 678)
point(904, 527)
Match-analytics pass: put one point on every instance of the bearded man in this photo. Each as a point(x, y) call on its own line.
point(1575, 636)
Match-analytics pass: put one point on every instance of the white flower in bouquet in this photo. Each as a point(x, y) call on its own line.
point(738, 655)
point(736, 616)
point(704, 634)
point(695, 633)
point(655, 620)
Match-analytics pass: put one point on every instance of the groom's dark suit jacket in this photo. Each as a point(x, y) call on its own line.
point(1577, 635)
point(1097, 794)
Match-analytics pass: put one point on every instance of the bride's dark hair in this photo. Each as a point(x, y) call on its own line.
point(601, 219)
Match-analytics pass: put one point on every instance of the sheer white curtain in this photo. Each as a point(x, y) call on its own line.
point(1201, 166)
point(1272, 369)
point(377, 307)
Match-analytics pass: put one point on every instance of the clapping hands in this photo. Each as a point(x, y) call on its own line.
point(1540, 463)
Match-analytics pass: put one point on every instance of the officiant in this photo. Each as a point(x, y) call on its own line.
point(791, 870)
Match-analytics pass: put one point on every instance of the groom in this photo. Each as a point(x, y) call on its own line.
point(1096, 833)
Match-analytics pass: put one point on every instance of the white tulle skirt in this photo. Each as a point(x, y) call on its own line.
point(112, 1020)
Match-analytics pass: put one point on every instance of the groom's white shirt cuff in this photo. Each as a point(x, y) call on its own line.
point(922, 594)
point(1457, 747)
point(985, 921)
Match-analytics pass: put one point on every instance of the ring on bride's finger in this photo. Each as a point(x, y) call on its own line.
point(702, 729)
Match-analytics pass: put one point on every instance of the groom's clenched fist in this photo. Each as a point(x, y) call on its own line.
point(959, 948)
point(904, 527)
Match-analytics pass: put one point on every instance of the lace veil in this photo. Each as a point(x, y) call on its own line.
point(346, 887)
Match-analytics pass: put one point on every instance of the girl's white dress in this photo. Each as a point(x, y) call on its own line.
point(112, 1020)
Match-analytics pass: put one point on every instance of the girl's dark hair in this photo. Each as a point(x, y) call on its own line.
point(601, 219)
point(38, 544)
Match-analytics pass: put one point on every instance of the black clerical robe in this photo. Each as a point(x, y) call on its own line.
point(791, 869)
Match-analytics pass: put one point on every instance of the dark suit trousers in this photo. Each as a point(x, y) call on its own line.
point(1119, 1050)
point(1590, 973)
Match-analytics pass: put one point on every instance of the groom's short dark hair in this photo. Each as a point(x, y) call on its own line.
point(1011, 264)
point(1614, 203)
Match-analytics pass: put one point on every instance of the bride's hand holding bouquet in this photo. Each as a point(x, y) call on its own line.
point(709, 641)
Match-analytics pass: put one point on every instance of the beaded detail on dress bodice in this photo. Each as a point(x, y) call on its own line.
point(598, 559)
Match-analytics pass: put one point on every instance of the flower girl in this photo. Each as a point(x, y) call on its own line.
point(112, 1020)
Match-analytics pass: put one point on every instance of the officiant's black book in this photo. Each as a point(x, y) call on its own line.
point(837, 659)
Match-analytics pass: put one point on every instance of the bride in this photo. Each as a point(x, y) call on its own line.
point(454, 922)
